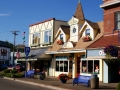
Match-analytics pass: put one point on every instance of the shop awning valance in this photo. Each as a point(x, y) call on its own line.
point(37, 53)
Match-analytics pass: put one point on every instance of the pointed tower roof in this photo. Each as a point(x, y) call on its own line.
point(79, 12)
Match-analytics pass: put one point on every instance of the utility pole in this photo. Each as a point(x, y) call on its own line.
point(15, 33)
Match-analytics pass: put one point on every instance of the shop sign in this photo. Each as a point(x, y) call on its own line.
point(101, 52)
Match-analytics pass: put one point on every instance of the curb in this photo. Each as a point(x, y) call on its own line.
point(37, 84)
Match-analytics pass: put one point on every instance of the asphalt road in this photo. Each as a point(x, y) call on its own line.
point(14, 85)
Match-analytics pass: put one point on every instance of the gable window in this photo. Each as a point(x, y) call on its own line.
point(117, 20)
point(36, 38)
point(61, 37)
point(87, 32)
point(47, 36)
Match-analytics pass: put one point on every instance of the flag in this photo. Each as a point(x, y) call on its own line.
point(23, 37)
point(23, 33)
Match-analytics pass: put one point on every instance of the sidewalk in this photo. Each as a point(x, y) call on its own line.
point(54, 83)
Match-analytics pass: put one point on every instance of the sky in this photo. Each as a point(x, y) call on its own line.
point(17, 15)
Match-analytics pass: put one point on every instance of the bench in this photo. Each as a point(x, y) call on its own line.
point(29, 73)
point(82, 79)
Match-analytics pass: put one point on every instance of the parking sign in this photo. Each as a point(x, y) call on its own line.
point(27, 51)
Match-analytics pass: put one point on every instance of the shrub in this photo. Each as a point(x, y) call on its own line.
point(7, 71)
point(8, 74)
point(19, 75)
point(118, 86)
point(13, 71)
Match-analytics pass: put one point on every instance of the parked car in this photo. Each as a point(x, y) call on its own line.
point(3, 67)
point(20, 67)
point(11, 67)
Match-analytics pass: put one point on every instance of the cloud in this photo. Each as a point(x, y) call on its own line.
point(3, 14)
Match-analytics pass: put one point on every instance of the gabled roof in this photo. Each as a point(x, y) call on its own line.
point(93, 24)
point(111, 39)
point(80, 44)
point(79, 12)
point(66, 29)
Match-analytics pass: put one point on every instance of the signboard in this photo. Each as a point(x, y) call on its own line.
point(27, 51)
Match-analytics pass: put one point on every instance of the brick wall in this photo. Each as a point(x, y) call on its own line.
point(109, 19)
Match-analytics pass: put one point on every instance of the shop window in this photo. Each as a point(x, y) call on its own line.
point(96, 67)
point(57, 65)
point(90, 66)
point(84, 66)
point(61, 66)
point(65, 66)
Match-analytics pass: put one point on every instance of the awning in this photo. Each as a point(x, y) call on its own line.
point(36, 54)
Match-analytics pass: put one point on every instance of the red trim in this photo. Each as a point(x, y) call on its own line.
point(42, 22)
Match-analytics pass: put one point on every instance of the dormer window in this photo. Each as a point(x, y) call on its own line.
point(117, 16)
point(61, 37)
point(87, 32)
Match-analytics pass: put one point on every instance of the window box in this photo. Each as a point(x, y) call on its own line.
point(46, 43)
point(33, 45)
point(86, 38)
point(60, 42)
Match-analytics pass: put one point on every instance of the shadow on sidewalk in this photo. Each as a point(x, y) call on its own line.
point(106, 87)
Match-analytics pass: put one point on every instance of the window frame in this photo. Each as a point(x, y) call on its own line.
point(48, 37)
point(117, 20)
point(62, 59)
point(86, 32)
point(34, 40)
point(87, 66)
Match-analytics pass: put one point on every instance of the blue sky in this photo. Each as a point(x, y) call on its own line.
point(19, 14)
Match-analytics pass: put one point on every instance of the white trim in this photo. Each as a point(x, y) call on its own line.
point(65, 51)
point(26, 59)
point(110, 3)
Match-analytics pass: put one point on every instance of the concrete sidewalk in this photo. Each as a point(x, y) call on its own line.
point(55, 84)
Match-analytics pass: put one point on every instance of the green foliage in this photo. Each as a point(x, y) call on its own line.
point(7, 71)
point(19, 75)
point(118, 86)
point(8, 74)
point(13, 71)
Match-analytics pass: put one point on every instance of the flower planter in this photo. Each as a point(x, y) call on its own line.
point(60, 42)
point(63, 80)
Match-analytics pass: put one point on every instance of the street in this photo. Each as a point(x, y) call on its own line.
point(13, 85)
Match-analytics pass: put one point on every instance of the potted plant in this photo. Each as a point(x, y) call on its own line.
point(60, 42)
point(63, 77)
point(41, 75)
point(86, 38)
point(111, 50)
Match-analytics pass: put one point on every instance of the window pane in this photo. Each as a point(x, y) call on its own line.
point(65, 66)
point(84, 66)
point(90, 66)
point(57, 65)
point(87, 31)
point(46, 36)
point(96, 66)
point(118, 25)
point(61, 36)
point(61, 66)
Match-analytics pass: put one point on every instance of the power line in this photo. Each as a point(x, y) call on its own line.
point(15, 33)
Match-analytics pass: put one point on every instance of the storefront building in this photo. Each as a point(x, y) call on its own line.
point(69, 47)
point(4, 53)
point(41, 37)
point(108, 67)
